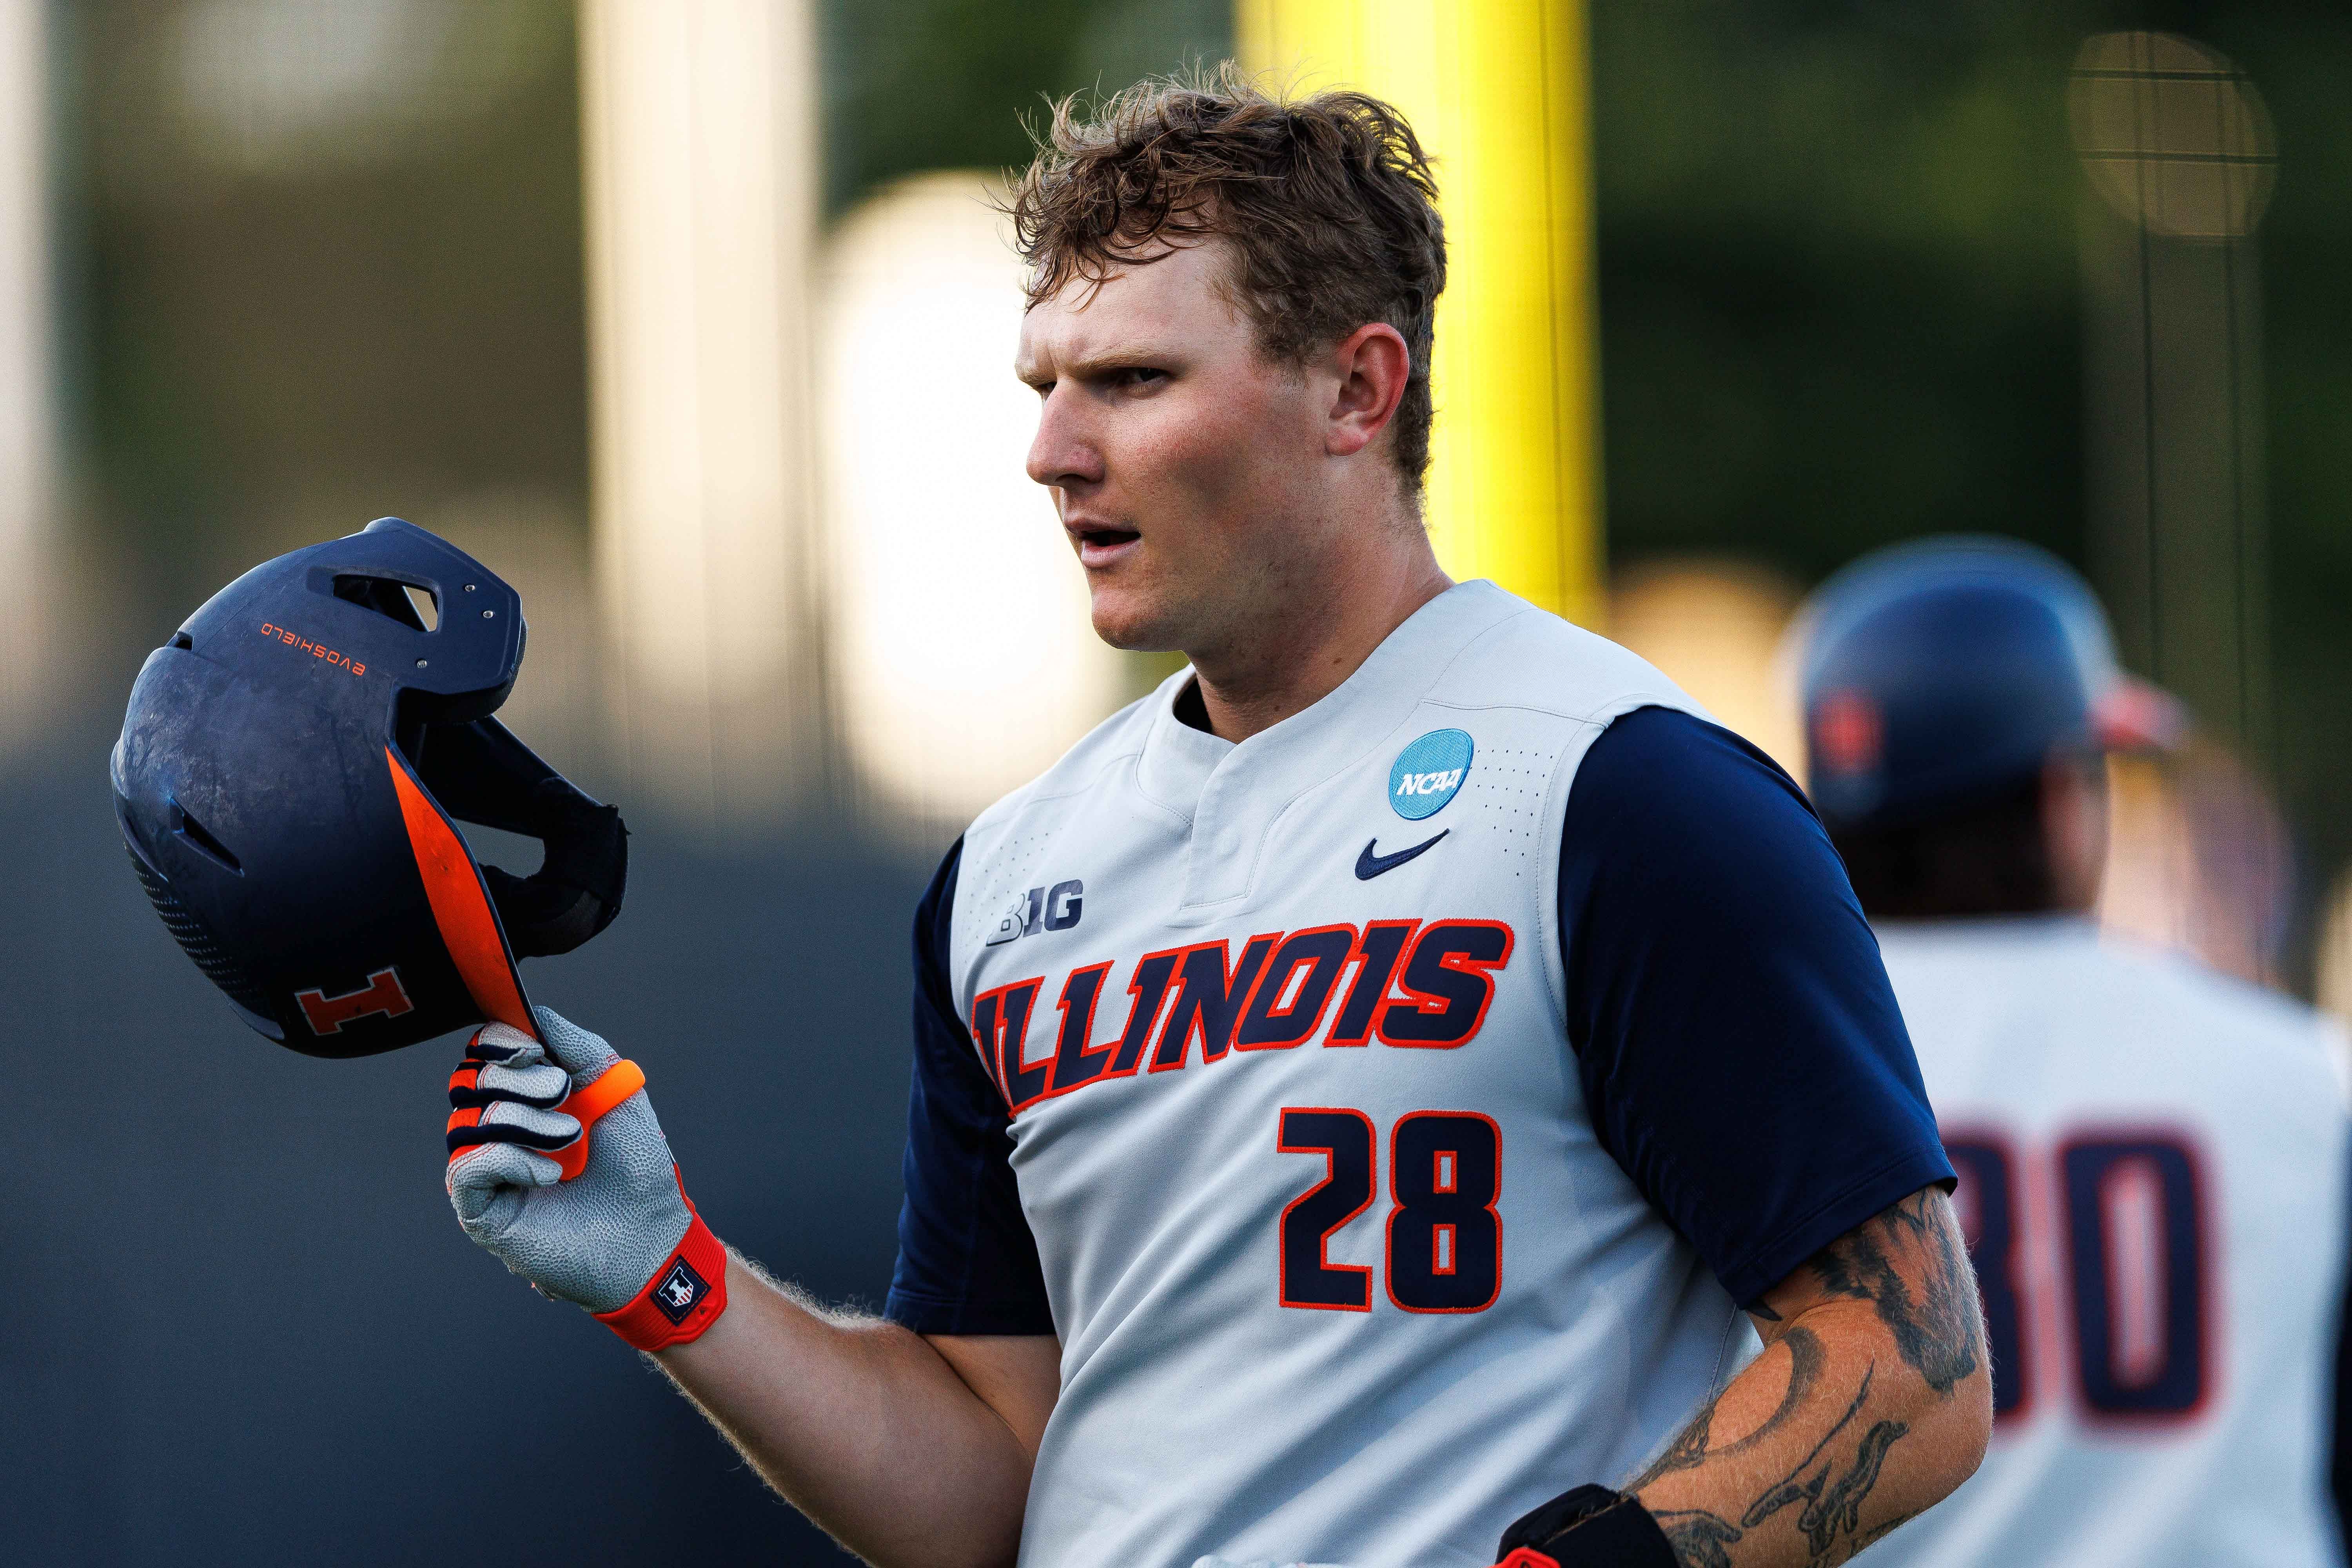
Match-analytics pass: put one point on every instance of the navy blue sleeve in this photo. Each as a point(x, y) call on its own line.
point(967, 1263)
point(1740, 1048)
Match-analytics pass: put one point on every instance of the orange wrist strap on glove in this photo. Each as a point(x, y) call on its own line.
point(685, 1296)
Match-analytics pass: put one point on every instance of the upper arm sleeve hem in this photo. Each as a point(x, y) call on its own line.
point(1849, 1208)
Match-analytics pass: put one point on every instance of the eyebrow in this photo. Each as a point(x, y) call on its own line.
point(1108, 362)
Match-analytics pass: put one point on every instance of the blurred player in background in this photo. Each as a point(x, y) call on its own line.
point(1371, 1085)
point(2151, 1155)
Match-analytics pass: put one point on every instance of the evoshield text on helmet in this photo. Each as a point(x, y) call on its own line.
point(292, 769)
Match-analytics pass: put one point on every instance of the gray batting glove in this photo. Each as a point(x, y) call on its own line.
point(611, 1231)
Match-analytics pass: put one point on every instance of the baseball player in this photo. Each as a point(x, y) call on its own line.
point(2151, 1155)
point(1410, 1080)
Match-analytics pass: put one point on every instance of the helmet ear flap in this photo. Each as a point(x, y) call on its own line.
point(481, 774)
point(577, 890)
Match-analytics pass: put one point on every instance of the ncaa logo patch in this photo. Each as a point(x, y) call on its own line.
point(1428, 773)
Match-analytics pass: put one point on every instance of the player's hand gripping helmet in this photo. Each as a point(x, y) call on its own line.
point(287, 778)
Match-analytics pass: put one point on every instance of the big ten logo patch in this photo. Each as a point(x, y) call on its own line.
point(382, 996)
point(1056, 907)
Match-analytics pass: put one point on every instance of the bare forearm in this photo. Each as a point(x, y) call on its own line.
point(1869, 1405)
point(861, 1424)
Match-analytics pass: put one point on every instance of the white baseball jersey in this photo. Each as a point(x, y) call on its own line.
point(1388, 1121)
point(2151, 1161)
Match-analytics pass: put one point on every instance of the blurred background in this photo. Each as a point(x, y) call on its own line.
point(690, 318)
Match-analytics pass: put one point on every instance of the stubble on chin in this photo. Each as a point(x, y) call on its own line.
point(1131, 628)
point(1152, 616)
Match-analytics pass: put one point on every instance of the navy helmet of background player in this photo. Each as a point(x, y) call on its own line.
point(2151, 1155)
point(1958, 678)
point(1358, 1088)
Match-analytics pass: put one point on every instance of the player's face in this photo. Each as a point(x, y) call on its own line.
point(1181, 459)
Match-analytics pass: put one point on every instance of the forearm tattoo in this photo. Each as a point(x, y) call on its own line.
point(1936, 1332)
point(1827, 1493)
point(1689, 1449)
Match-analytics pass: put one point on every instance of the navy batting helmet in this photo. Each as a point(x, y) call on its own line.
point(290, 772)
point(1938, 674)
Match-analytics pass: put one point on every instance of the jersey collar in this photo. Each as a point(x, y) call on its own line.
point(1234, 795)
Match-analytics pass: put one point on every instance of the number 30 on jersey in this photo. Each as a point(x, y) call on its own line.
point(2128, 1277)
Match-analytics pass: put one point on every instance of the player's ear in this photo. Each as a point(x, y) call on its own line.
point(1373, 364)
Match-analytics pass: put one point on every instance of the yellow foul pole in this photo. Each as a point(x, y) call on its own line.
point(1496, 91)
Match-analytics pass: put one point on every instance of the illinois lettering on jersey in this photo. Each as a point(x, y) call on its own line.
point(1194, 1003)
point(2151, 1164)
point(1378, 1194)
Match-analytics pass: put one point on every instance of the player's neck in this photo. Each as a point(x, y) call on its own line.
point(1298, 656)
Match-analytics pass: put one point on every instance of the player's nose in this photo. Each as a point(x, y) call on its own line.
point(1065, 451)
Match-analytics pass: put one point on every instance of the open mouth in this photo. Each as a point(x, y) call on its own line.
point(1106, 538)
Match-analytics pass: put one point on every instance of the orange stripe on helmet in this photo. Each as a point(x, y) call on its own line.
point(461, 906)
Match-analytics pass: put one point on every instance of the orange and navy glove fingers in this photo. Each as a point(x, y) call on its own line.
point(493, 1100)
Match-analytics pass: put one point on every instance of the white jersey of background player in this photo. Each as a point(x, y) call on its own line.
point(1358, 1090)
point(2151, 1155)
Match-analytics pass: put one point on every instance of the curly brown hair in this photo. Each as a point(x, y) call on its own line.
point(1328, 203)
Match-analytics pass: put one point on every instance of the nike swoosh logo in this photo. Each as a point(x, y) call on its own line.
point(1368, 864)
